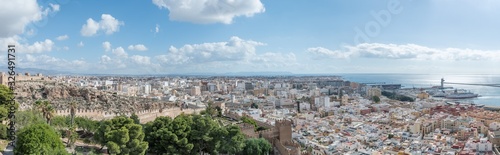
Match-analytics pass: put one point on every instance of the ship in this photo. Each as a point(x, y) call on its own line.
point(461, 95)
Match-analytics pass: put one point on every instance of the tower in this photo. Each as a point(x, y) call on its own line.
point(298, 106)
point(442, 83)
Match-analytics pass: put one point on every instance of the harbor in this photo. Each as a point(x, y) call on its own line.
point(447, 94)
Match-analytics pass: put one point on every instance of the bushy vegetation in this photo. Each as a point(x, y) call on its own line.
point(40, 131)
point(39, 139)
point(395, 96)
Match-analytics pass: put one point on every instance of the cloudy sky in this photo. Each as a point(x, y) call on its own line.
point(220, 36)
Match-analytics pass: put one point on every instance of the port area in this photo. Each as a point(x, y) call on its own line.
point(448, 95)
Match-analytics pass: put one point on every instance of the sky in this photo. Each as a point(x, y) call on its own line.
point(231, 36)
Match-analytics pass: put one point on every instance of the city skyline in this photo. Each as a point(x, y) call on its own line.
point(225, 36)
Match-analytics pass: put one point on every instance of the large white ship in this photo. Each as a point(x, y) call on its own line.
point(441, 91)
point(461, 95)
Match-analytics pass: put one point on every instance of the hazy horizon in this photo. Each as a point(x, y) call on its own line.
point(220, 36)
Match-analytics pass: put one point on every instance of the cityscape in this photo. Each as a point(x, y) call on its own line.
point(249, 77)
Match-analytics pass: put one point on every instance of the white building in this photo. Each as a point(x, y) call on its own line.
point(483, 145)
point(322, 101)
point(147, 89)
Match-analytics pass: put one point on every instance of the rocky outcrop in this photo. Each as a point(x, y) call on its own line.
point(60, 95)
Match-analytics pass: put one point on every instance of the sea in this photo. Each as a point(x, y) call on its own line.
point(489, 96)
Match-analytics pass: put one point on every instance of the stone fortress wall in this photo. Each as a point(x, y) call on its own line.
point(144, 115)
point(4, 77)
point(279, 135)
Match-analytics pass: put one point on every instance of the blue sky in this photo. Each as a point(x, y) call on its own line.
point(219, 36)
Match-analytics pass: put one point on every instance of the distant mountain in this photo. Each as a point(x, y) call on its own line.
point(56, 72)
point(259, 74)
point(35, 71)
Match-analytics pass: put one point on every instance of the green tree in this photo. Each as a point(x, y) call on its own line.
point(254, 105)
point(249, 120)
point(200, 135)
point(169, 136)
point(135, 118)
point(28, 117)
point(5, 96)
point(219, 111)
point(86, 124)
point(48, 111)
point(390, 136)
point(210, 110)
point(72, 110)
point(122, 136)
point(376, 99)
point(233, 140)
point(60, 122)
point(72, 129)
point(39, 139)
point(256, 146)
point(3, 131)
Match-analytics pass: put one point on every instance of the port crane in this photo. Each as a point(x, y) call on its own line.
point(475, 84)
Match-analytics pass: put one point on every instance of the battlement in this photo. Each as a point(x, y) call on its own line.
point(144, 115)
point(21, 77)
point(287, 147)
point(283, 122)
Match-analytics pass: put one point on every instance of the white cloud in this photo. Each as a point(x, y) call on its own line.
point(210, 11)
point(120, 52)
point(90, 28)
point(234, 50)
point(65, 48)
point(105, 59)
point(108, 24)
point(23, 47)
point(16, 15)
point(63, 37)
point(52, 63)
point(38, 47)
point(157, 28)
point(408, 51)
point(106, 45)
point(141, 60)
point(108, 62)
point(80, 44)
point(55, 7)
point(138, 47)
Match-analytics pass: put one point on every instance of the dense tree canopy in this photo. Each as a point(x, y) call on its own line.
point(249, 120)
point(5, 96)
point(39, 139)
point(257, 146)
point(135, 118)
point(192, 134)
point(122, 136)
point(169, 136)
point(233, 140)
point(25, 118)
point(201, 134)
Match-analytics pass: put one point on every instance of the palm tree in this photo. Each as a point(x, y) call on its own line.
point(72, 137)
point(72, 110)
point(48, 111)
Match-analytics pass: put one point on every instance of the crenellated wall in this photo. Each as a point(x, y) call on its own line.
point(279, 135)
point(287, 147)
point(144, 115)
point(248, 130)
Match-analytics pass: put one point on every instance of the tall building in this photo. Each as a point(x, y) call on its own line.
point(147, 89)
point(248, 86)
point(195, 91)
point(373, 92)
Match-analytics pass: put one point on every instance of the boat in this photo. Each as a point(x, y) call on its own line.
point(461, 95)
